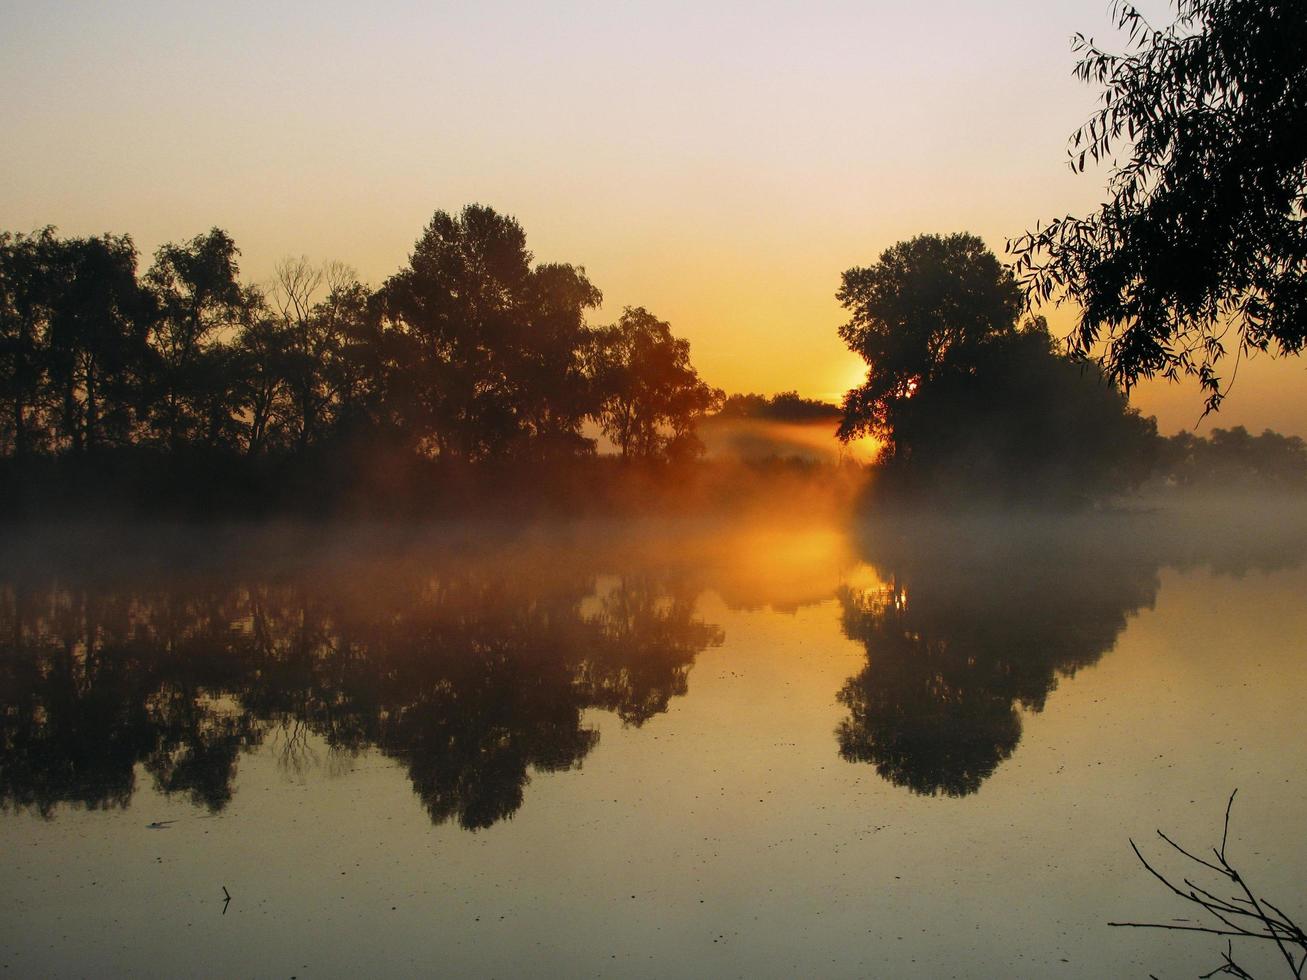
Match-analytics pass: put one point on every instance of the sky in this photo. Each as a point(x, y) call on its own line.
point(718, 163)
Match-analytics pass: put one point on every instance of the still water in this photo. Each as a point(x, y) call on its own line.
point(662, 749)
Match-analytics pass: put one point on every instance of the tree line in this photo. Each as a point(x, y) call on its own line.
point(1234, 459)
point(786, 406)
point(471, 351)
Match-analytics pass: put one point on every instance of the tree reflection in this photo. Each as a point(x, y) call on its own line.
point(92, 684)
point(972, 625)
point(472, 675)
point(977, 618)
point(646, 640)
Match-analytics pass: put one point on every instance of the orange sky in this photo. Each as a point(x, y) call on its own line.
point(719, 163)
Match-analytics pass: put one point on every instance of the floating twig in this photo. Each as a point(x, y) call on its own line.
point(1242, 915)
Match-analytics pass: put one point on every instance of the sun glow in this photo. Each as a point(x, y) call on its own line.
point(857, 375)
point(863, 449)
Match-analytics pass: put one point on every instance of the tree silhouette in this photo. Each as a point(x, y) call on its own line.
point(96, 344)
point(969, 405)
point(73, 355)
point(1026, 425)
point(650, 396)
point(1203, 123)
point(202, 306)
point(1234, 458)
point(491, 347)
point(787, 406)
point(918, 315)
point(186, 391)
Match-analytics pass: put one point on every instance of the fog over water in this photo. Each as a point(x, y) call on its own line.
point(761, 439)
point(789, 742)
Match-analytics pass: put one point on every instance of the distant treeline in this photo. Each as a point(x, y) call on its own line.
point(1234, 458)
point(471, 351)
point(787, 406)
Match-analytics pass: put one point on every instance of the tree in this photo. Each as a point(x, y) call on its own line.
point(490, 348)
point(97, 341)
point(306, 346)
point(650, 395)
point(26, 297)
point(312, 303)
point(202, 306)
point(265, 368)
point(1234, 458)
point(918, 315)
point(73, 323)
point(970, 405)
point(357, 375)
point(1203, 232)
point(1026, 425)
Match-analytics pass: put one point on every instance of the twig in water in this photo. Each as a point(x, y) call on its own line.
point(1243, 915)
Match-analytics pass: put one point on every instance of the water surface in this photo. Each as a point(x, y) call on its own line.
point(676, 748)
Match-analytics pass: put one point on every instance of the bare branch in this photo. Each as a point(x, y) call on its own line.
point(1244, 916)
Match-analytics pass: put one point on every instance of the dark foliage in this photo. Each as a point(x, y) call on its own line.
point(970, 406)
point(1234, 459)
point(491, 350)
point(183, 383)
point(788, 406)
point(649, 396)
point(1202, 233)
point(1028, 426)
point(920, 314)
